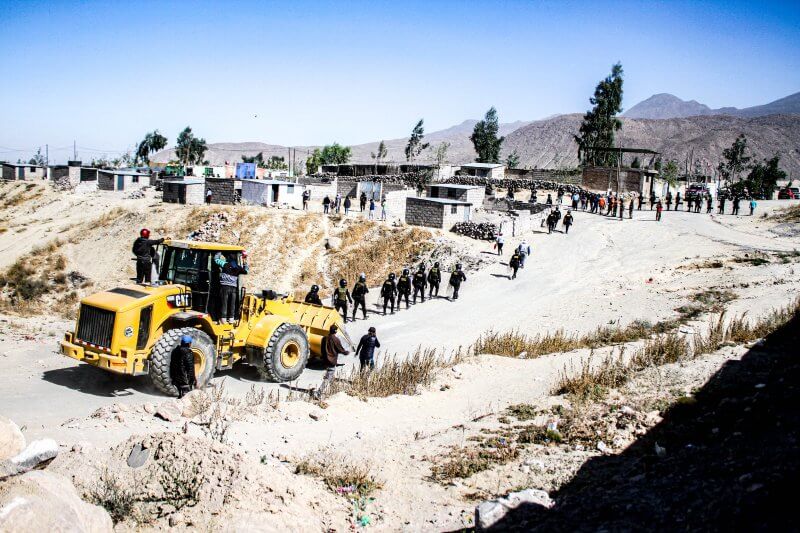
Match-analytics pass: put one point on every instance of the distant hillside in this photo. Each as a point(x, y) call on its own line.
point(665, 105)
point(460, 149)
point(549, 143)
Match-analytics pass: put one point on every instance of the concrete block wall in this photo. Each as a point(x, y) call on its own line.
point(105, 180)
point(601, 179)
point(171, 191)
point(449, 218)
point(195, 193)
point(475, 196)
point(8, 173)
point(396, 202)
point(420, 212)
point(223, 190)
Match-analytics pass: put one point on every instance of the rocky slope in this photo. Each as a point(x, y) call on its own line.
point(665, 105)
point(549, 143)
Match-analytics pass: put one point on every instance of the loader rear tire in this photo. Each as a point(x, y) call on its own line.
point(205, 355)
point(286, 354)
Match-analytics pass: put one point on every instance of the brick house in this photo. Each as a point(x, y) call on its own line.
point(190, 191)
point(122, 180)
point(472, 194)
point(441, 213)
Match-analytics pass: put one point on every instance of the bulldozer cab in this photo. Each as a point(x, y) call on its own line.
point(193, 265)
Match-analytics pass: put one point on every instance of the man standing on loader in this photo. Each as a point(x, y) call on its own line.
point(456, 278)
point(360, 291)
point(181, 366)
point(434, 279)
point(388, 291)
point(420, 283)
point(313, 295)
point(341, 296)
point(229, 285)
point(143, 250)
point(403, 288)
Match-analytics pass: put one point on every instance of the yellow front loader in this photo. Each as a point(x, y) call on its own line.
point(133, 329)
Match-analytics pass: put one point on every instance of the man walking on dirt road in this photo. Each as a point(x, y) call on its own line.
point(434, 279)
point(332, 350)
point(360, 291)
point(366, 349)
point(457, 277)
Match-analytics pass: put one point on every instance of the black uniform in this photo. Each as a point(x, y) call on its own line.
point(313, 298)
point(403, 289)
point(340, 298)
point(568, 221)
point(360, 291)
point(420, 283)
point(388, 291)
point(514, 264)
point(181, 369)
point(143, 250)
point(735, 206)
point(366, 350)
point(434, 279)
point(456, 278)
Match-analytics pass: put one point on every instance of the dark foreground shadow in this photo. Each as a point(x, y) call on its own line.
point(732, 459)
point(90, 380)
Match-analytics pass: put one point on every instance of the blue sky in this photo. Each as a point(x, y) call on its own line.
point(299, 72)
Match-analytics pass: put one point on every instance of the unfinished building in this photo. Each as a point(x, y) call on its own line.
point(440, 213)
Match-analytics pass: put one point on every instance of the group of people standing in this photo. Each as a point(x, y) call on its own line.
point(394, 290)
point(337, 204)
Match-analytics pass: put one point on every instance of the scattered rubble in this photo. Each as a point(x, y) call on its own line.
point(484, 231)
point(211, 229)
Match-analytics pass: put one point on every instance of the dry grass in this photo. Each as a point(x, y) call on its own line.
point(394, 375)
point(376, 250)
point(517, 344)
point(39, 281)
point(593, 381)
point(465, 461)
point(342, 475)
point(790, 214)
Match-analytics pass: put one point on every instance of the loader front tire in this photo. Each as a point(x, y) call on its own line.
point(204, 358)
point(286, 354)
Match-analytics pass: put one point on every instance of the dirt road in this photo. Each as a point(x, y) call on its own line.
point(604, 270)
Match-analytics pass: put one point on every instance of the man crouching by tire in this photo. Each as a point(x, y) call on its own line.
point(181, 367)
point(332, 349)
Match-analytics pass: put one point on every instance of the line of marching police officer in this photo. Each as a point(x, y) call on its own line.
point(393, 291)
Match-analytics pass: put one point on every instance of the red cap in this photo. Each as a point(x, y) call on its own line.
point(145, 233)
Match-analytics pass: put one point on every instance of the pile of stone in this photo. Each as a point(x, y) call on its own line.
point(138, 194)
point(483, 231)
point(211, 229)
point(518, 184)
point(62, 184)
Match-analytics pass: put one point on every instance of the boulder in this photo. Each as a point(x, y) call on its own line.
point(36, 453)
point(12, 441)
point(171, 410)
point(490, 513)
point(42, 501)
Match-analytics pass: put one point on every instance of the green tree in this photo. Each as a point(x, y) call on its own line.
point(735, 160)
point(152, 142)
point(600, 123)
point(762, 179)
point(335, 154)
point(512, 161)
point(670, 173)
point(258, 159)
point(379, 155)
point(636, 163)
point(314, 161)
point(190, 149)
point(277, 163)
point(38, 158)
point(485, 140)
point(441, 153)
point(415, 144)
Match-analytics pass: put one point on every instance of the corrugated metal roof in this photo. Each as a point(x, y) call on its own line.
point(445, 201)
point(481, 165)
point(456, 186)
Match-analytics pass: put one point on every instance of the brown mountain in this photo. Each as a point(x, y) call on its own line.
point(665, 105)
point(549, 143)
